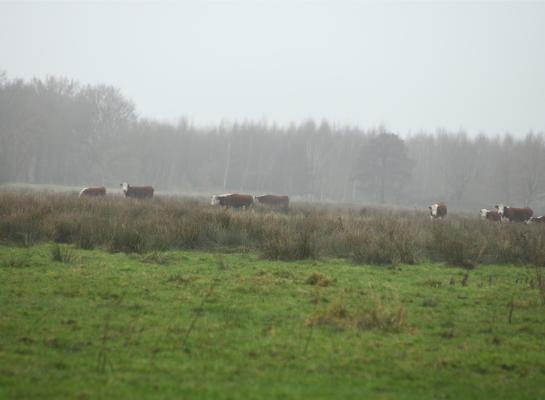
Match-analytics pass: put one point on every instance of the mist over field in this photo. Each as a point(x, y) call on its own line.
point(59, 132)
point(399, 104)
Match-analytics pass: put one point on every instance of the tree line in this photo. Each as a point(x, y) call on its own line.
point(56, 131)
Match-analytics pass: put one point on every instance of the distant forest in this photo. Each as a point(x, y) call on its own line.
point(56, 131)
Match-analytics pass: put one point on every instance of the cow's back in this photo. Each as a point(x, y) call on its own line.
point(492, 215)
point(236, 200)
point(518, 214)
point(139, 192)
point(92, 192)
point(273, 200)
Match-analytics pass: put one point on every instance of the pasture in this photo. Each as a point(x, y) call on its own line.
point(190, 324)
point(120, 298)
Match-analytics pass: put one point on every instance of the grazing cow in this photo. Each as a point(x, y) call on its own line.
point(490, 215)
point(92, 192)
point(514, 214)
point(273, 200)
point(137, 192)
point(536, 220)
point(235, 200)
point(438, 210)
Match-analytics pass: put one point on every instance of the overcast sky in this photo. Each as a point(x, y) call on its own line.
point(410, 66)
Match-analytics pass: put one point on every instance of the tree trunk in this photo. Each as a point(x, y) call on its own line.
point(226, 172)
point(382, 189)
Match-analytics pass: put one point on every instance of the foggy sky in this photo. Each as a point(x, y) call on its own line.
point(409, 66)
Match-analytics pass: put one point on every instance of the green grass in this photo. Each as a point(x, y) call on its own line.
point(190, 324)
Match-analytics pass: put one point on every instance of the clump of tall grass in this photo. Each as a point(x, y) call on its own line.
point(63, 254)
point(336, 315)
point(295, 240)
point(385, 240)
point(459, 242)
point(15, 262)
point(127, 239)
point(381, 315)
point(374, 314)
point(521, 244)
point(155, 257)
point(318, 279)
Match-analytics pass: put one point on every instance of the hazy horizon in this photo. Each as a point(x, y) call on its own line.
point(409, 66)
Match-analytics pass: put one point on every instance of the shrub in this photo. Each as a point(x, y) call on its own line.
point(459, 243)
point(65, 231)
point(296, 241)
point(385, 241)
point(128, 240)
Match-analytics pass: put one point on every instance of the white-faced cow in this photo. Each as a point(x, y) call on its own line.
point(137, 192)
point(273, 200)
point(490, 215)
point(438, 210)
point(536, 220)
point(92, 192)
point(234, 200)
point(514, 214)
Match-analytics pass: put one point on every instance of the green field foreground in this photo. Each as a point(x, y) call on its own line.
point(190, 324)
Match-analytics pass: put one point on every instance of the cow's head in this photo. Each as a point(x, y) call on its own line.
point(125, 186)
point(433, 210)
point(500, 208)
point(215, 200)
point(483, 213)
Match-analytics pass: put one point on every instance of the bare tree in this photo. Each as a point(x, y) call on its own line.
point(530, 161)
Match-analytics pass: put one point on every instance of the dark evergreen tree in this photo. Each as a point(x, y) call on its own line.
point(383, 166)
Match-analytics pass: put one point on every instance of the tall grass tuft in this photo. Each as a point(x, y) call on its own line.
point(385, 316)
point(459, 242)
point(63, 254)
point(373, 314)
point(385, 240)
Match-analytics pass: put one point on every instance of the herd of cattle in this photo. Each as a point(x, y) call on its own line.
point(231, 200)
point(236, 200)
point(138, 192)
point(500, 213)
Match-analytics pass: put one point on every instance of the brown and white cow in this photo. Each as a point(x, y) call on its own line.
point(234, 200)
point(438, 210)
point(515, 214)
point(137, 192)
point(490, 215)
point(536, 220)
point(273, 200)
point(92, 192)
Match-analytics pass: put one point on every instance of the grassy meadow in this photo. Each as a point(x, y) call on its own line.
point(192, 324)
point(173, 298)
